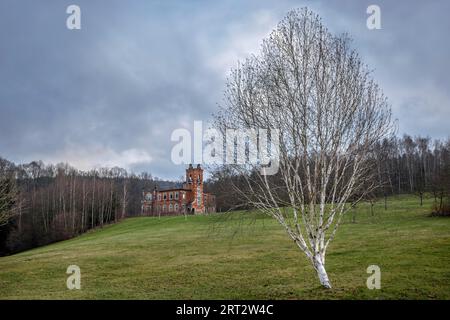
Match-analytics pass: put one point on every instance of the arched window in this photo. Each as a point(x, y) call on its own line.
point(176, 207)
point(171, 196)
point(170, 208)
point(176, 195)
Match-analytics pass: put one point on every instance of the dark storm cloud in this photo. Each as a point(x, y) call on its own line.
point(409, 57)
point(112, 92)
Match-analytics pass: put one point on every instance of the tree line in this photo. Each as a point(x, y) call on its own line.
point(417, 166)
point(40, 204)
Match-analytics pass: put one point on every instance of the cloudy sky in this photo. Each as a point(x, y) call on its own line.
point(113, 92)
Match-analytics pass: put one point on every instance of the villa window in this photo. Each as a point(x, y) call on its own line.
point(165, 196)
point(171, 196)
point(176, 207)
point(176, 195)
point(170, 208)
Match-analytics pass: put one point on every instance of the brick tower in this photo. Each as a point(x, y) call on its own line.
point(194, 181)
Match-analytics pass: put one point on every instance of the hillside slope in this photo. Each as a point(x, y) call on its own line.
point(239, 256)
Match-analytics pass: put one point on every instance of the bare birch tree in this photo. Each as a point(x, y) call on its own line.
point(312, 87)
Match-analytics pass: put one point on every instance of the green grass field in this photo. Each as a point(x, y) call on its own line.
point(240, 256)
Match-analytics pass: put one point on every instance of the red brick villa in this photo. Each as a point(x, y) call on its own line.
point(187, 198)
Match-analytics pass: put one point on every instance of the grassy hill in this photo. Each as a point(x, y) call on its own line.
point(240, 256)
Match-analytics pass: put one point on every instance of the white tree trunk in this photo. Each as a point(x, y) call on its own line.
point(321, 272)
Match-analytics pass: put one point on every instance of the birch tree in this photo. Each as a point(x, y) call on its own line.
point(314, 89)
point(8, 192)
